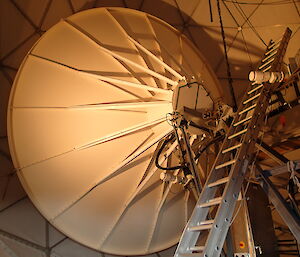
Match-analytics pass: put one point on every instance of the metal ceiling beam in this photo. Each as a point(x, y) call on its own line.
point(281, 169)
point(7, 249)
point(287, 214)
point(279, 158)
point(284, 108)
point(22, 240)
point(12, 204)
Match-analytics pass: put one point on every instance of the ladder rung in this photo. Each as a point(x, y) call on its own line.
point(254, 89)
point(188, 255)
point(274, 44)
point(247, 109)
point(238, 133)
point(269, 56)
point(266, 63)
point(225, 164)
point(231, 148)
point(242, 121)
point(211, 202)
point(201, 227)
point(251, 98)
point(207, 222)
point(271, 50)
point(219, 182)
point(266, 69)
point(197, 248)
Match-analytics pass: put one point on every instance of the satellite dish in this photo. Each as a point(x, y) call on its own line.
point(87, 114)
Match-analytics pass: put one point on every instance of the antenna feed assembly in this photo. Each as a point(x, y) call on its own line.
point(271, 77)
point(185, 95)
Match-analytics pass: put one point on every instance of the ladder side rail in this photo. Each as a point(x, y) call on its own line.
point(220, 157)
point(218, 233)
point(239, 117)
point(276, 64)
point(276, 50)
point(240, 141)
point(233, 129)
point(236, 178)
point(200, 214)
point(188, 237)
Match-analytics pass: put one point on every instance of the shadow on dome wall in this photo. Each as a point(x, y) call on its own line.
point(210, 47)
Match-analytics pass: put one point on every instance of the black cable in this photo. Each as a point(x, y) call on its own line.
point(210, 11)
point(193, 124)
point(215, 140)
point(159, 153)
point(268, 3)
point(234, 107)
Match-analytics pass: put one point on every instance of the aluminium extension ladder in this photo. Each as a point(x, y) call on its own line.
point(223, 185)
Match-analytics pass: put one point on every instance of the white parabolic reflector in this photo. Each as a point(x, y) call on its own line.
point(86, 116)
